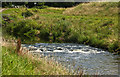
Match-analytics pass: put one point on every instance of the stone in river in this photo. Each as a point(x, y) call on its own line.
point(32, 49)
point(41, 49)
point(59, 48)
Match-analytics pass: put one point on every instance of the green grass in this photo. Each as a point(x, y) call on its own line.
point(0, 51)
point(96, 26)
point(13, 64)
point(94, 9)
point(0, 62)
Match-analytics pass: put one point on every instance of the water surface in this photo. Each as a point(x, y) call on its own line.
point(78, 57)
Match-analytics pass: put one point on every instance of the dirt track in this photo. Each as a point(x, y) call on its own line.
point(1, 10)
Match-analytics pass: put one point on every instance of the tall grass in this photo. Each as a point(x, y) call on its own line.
point(13, 64)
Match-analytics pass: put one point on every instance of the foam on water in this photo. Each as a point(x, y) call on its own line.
point(91, 60)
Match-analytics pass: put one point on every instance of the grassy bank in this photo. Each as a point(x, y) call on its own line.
point(94, 24)
point(13, 64)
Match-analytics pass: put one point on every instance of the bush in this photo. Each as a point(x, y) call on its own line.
point(94, 41)
point(41, 7)
point(27, 14)
point(44, 34)
point(61, 31)
point(31, 34)
point(56, 35)
point(26, 29)
point(74, 37)
point(114, 47)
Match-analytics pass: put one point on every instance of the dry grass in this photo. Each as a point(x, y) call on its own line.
point(93, 8)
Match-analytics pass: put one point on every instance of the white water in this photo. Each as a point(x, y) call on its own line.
point(73, 56)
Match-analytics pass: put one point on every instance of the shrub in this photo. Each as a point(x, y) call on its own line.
point(26, 29)
point(94, 41)
point(27, 13)
point(44, 34)
point(31, 34)
point(115, 47)
point(74, 37)
point(6, 18)
point(56, 35)
point(67, 34)
point(61, 31)
point(41, 7)
point(9, 29)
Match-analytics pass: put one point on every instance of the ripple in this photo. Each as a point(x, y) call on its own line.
point(91, 60)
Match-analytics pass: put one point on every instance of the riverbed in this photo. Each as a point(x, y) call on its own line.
point(78, 57)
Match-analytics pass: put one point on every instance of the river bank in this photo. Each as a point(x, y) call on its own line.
point(26, 64)
point(58, 26)
point(74, 57)
point(77, 38)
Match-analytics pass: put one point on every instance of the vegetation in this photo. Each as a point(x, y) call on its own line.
point(0, 62)
point(14, 64)
point(96, 26)
point(39, 5)
point(94, 9)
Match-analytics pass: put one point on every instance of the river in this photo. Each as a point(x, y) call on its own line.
point(77, 56)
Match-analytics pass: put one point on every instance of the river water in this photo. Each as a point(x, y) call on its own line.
point(78, 57)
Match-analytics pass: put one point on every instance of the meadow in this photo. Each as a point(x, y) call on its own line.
point(94, 24)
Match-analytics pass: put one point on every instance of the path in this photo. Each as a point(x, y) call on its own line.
point(1, 10)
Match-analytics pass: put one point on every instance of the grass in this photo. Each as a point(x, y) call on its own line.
point(13, 64)
point(94, 9)
point(0, 59)
point(0, 62)
point(94, 24)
